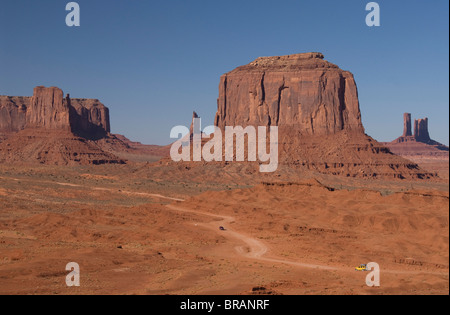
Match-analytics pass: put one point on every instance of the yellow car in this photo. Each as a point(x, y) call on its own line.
point(361, 268)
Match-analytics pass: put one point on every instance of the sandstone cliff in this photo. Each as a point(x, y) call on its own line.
point(48, 109)
point(407, 132)
point(315, 105)
point(421, 130)
point(301, 91)
point(13, 113)
point(89, 118)
point(52, 129)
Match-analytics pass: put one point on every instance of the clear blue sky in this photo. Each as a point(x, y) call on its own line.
point(153, 62)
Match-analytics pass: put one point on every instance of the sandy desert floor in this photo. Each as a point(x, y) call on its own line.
point(155, 230)
point(438, 165)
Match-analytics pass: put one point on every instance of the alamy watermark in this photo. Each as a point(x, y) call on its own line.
point(257, 141)
point(73, 278)
point(73, 17)
point(373, 278)
point(373, 18)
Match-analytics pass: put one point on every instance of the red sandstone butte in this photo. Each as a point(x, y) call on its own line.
point(52, 129)
point(49, 109)
point(315, 105)
point(407, 125)
point(419, 144)
point(303, 91)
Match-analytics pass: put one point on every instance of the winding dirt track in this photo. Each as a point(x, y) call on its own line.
point(257, 249)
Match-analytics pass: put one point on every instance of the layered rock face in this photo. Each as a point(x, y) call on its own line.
point(52, 129)
point(88, 117)
point(419, 144)
point(315, 105)
point(48, 109)
point(421, 130)
point(407, 132)
point(13, 113)
point(302, 91)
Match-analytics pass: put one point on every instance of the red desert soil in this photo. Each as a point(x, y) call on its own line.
point(136, 236)
point(138, 223)
point(426, 156)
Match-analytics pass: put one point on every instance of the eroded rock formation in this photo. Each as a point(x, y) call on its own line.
point(13, 113)
point(407, 131)
point(89, 118)
point(53, 129)
point(48, 109)
point(421, 133)
point(419, 144)
point(315, 105)
point(302, 91)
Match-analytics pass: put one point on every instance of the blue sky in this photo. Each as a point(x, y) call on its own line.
point(154, 62)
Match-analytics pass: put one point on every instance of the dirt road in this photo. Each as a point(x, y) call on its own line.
point(256, 249)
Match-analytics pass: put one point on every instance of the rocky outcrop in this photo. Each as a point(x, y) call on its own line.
point(407, 131)
point(419, 144)
point(52, 129)
point(49, 109)
point(13, 113)
point(315, 105)
point(421, 133)
point(302, 91)
point(89, 118)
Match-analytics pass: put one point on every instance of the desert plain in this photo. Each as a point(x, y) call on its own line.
point(137, 222)
point(157, 232)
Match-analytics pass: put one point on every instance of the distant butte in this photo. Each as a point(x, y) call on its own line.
point(418, 144)
point(49, 128)
point(49, 109)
